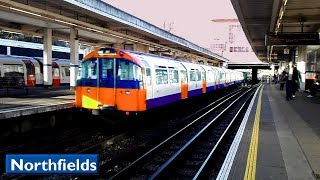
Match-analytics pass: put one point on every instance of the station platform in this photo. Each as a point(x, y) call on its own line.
point(38, 100)
point(278, 139)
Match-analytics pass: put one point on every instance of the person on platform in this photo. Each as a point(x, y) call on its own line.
point(314, 87)
point(295, 80)
point(289, 89)
point(283, 79)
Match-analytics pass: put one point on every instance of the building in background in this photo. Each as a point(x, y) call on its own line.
point(230, 41)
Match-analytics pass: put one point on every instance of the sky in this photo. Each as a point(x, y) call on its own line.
point(189, 19)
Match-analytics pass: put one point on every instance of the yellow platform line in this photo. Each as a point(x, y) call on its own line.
point(253, 150)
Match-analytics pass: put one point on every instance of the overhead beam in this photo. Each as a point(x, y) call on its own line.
point(257, 21)
point(297, 19)
point(274, 16)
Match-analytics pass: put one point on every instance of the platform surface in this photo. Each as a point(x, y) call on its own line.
point(288, 139)
point(38, 100)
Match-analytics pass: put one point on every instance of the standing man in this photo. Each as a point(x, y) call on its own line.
point(289, 82)
point(295, 80)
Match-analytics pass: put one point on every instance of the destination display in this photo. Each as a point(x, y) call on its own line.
point(293, 39)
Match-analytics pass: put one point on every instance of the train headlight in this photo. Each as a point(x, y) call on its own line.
point(88, 90)
point(127, 92)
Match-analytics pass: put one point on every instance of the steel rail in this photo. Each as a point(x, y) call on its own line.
point(222, 99)
point(220, 139)
point(186, 145)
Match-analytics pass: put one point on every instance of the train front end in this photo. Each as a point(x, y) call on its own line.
point(111, 79)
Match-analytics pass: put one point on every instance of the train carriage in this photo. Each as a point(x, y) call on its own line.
point(20, 66)
point(31, 70)
point(132, 81)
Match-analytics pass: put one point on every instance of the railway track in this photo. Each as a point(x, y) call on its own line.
point(75, 140)
point(186, 153)
point(90, 144)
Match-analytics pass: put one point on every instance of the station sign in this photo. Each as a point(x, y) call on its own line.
point(286, 51)
point(293, 39)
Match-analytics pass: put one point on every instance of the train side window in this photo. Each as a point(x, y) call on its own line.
point(148, 77)
point(198, 75)
point(67, 71)
point(63, 72)
point(148, 72)
point(193, 75)
point(221, 75)
point(173, 76)
point(161, 76)
point(13, 70)
point(203, 75)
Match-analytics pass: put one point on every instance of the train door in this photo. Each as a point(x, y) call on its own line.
point(55, 74)
point(222, 78)
point(228, 78)
point(65, 75)
point(218, 77)
point(148, 80)
point(209, 75)
point(107, 83)
point(38, 72)
point(184, 82)
point(90, 82)
point(31, 79)
point(204, 79)
point(162, 81)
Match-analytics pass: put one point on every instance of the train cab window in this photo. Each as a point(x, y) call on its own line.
point(89, 69)
point(128, 71)
point(161, 76)
point(173, 76)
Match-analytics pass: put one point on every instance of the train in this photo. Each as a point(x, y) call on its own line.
point(129, 81)
point(31, 70)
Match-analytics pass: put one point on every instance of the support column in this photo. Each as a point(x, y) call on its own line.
point(74, 57)
point(254, 75)
point(8, 50)
point(47, 57)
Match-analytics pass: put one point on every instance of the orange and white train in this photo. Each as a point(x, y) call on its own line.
point(135, 82)
point(31, 69)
